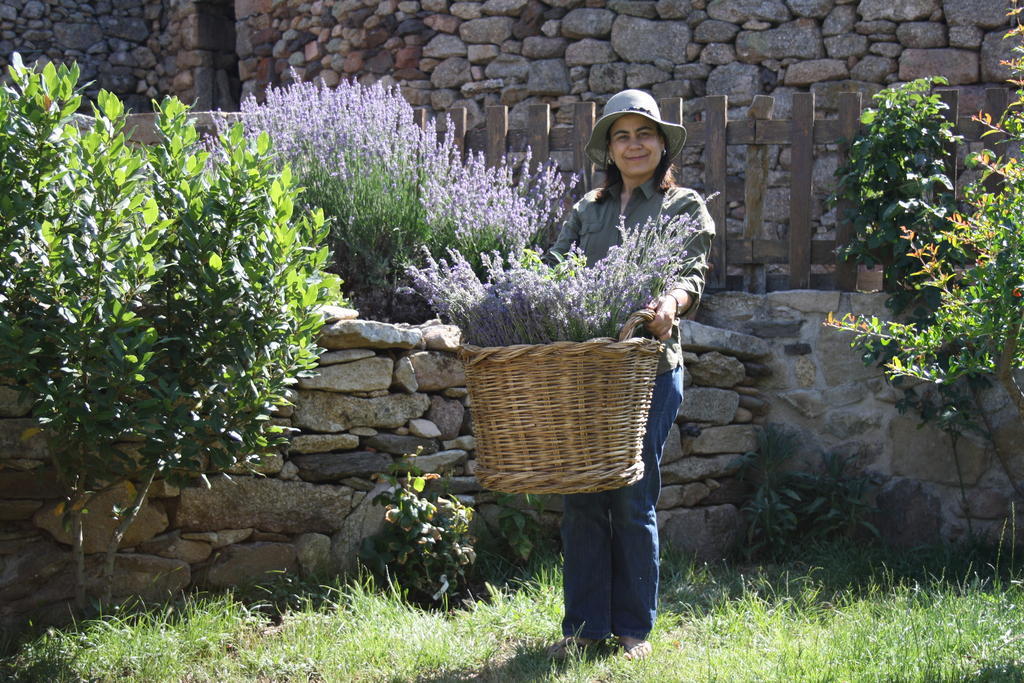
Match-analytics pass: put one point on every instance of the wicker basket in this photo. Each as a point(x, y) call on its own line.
point(565, 417)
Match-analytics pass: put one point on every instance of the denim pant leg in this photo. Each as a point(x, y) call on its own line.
point(610, 539)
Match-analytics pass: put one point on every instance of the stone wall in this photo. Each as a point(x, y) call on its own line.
point(516, 52)
point(384, 391)
point(137, 49)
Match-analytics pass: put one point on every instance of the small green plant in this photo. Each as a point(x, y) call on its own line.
point(153, 307)
point(790, 507)
point(518, 526)
point(895, 178)
point(425, 546)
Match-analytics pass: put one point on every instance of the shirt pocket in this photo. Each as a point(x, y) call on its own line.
point(591, 240)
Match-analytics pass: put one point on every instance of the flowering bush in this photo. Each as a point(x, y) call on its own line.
point(523, 300)
point(388, 186)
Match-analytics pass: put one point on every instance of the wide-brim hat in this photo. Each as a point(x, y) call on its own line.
point(632, 102)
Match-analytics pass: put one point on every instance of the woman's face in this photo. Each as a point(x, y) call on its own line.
point(635, 147)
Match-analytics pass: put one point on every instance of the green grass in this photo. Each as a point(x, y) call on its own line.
point(840, 613)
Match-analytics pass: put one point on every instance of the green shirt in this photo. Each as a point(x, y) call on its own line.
point(593, 226)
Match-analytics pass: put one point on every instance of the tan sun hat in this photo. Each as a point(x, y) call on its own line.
point(632, 102)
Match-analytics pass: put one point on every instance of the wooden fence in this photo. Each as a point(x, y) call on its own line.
point(749, 253)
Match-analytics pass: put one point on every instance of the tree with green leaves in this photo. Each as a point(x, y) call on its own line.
point(155, 304)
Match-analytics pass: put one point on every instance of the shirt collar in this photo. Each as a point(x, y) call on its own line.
point(648, 188)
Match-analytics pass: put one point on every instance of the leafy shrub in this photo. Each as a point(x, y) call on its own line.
point(976, 331)
point(390, 187)
point(895, 178)
point(527, 301)
point(790, 507)
point(426, 546)
point(153, 308)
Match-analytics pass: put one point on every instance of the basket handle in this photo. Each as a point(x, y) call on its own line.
point(641, 317)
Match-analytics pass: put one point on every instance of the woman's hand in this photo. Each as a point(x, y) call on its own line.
point(664, 308)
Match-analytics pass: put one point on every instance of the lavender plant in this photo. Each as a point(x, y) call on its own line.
point(523, 300)
point(390, 187)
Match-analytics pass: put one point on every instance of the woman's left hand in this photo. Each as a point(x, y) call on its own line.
point(664, 308)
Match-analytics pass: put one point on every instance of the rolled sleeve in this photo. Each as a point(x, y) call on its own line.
point(698, 247)
point(568, 236)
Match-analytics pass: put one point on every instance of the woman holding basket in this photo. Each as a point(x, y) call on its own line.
point(610, 538)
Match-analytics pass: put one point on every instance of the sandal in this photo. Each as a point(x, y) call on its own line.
point(635, 650)
point(562, 648)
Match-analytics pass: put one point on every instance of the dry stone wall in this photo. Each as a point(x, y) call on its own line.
point(383, 392)
point(137, 49)
point(517, 52)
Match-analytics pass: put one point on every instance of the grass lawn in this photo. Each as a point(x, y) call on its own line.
point(839, 613)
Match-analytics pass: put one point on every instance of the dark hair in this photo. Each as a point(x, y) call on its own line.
point(664, 174)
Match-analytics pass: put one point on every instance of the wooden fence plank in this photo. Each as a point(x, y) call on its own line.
point(754, 187)
point(540, 130)
point(744, 251)
point(996, 100)
point(419, 117)
point(457, 116)
point(583, 118)
point(672, 111)
point(497, 131)
point(716, 120)
point(849, 123)
point(951, 98)
point(801, 164)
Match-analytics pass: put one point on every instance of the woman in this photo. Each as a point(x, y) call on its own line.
point(610, 539)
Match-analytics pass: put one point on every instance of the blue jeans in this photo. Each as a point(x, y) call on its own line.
point(610, 539)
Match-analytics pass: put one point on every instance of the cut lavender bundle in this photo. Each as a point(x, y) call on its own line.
point(522, 300)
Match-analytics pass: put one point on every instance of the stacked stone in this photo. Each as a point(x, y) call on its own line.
point(517, 52)
point(717, 423)
point(116, 43)
point(200, 64)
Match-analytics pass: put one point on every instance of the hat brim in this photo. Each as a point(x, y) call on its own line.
point(597, 145)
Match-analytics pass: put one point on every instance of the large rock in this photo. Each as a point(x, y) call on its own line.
point(249, 562)
point(37, 484)
point(897, 10)
point(367, 334)
point(443, 46)
point(98, 523)
point(806, 73)
point(398, 444)
point(345, 356)
point(438, 337)
point(366, 520)
point(714, 369)
point(673, 448)
point(508, 67)
point(332, 467)
point(981, 13)
point(150, 577)
point(696, 468)
point(683, 495)
point(548, 77)
point(448, 415)
point(173, 546)
point(739, 82)
point(698, 337)
point(313, 551)
point(907, 514)
point(959, 66)
point(740, 11)
point(13, 403)
point(451, 73)
point(132, 29)
point(323, 443)
point(712, 31)
point(77, 36)
point(440, 462)
point(994, 51)
point(816, 9)
point(717, 406)
point(329, 412)
point(437, 370)
point(727, 439)
point(800, 39)
point(370, 374)
point(926, 453)
point(922, 34)
point(643, 40)
point(589, 51)
point(22, 439)
point(267, 504)
point(494, 30)
point(587, 23)
point(709, 534)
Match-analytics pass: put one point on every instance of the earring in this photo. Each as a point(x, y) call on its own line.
point(664, 152)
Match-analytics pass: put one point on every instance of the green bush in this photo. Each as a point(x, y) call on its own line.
point(155, 307)
point(425, 547)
